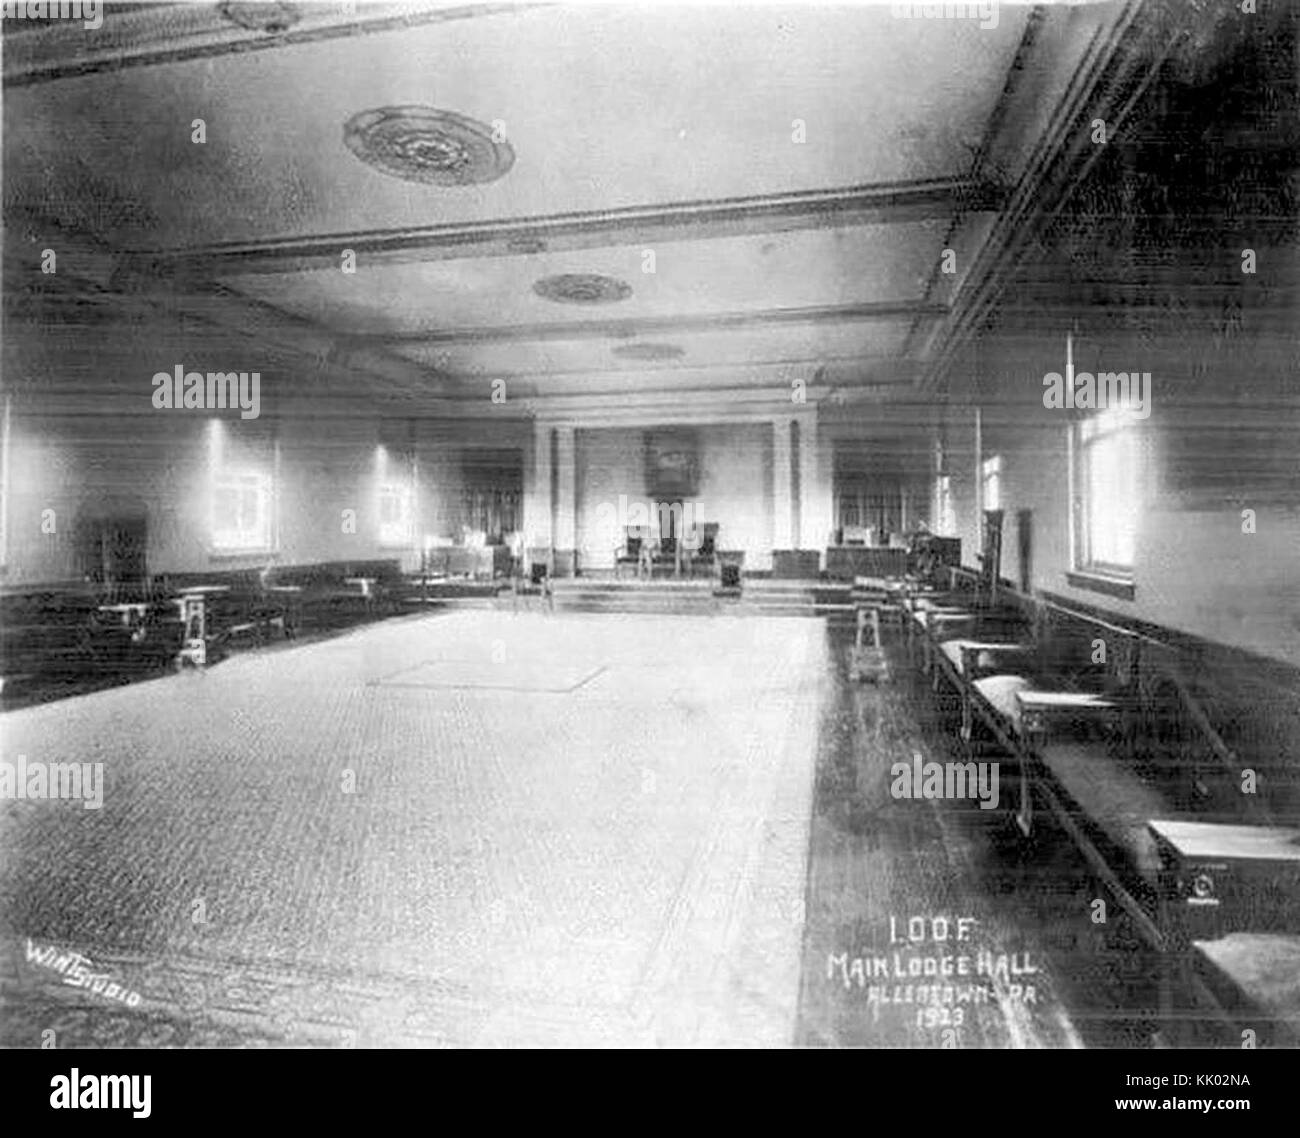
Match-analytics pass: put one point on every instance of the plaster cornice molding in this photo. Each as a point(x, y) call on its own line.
point(628, 327)
point(660, 223)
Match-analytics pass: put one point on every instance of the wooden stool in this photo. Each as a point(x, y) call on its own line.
point(868, 661)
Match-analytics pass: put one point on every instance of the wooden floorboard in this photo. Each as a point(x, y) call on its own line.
point(877, 862)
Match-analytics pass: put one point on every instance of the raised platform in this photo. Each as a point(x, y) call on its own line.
point(452, 592)
point(701, 597)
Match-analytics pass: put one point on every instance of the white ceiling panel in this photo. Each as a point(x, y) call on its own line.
point(605, 106)
point(808, 268)
point(875, 120)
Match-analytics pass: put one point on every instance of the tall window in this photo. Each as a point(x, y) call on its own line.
point(1107, 482)
point(991, 474)
point(241, 512)
point(396, 515)
point(945, 515)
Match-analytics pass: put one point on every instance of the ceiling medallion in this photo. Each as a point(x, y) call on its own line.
point(421, 144)
point(583, 288)
point(271, 17)
point(649, 351)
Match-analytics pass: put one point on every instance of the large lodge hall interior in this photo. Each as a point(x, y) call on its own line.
point(628, 525)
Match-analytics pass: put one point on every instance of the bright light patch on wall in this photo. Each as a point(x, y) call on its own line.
point(1113, 517)
point(395, 514)
point(241, 502)
point(991, 470)
point(1110, 480)
point(241, 511)
point(1104, 422)
point(945, 511)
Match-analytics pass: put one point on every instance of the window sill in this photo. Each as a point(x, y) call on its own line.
point(1111, 586)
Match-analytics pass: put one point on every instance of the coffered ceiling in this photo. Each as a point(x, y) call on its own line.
point(767, 192)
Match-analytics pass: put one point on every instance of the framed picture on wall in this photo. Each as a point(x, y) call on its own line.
point(672, 464)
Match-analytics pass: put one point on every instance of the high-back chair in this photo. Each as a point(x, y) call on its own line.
point(540, 569)
point(666, 553)
point(629, 553)
point(706, 556)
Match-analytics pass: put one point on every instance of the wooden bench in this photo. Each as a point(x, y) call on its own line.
point(1117, 747)
point(240, 606)
point(1230, 909)
point(337, 593)
point(45, 636)
point(936, 621)
point(60, 640)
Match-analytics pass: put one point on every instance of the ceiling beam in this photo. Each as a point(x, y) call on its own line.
point(628, 328)
point(756, 215)
point(661, 408)
point(147, 35)
point(660, 367)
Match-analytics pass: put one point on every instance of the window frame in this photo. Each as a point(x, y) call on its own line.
point(945, 510)
point(1087, 570)
point(403, 492)
point(241, 540)
point(991, 474)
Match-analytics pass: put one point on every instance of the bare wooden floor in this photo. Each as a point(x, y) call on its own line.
point(930, 886)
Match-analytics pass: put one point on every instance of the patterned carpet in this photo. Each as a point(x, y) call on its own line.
point(478, 828)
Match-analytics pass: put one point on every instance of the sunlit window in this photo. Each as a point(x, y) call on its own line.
point(945, 516)
point(1107, 485)
point(241, 512)
point(395, 514)
point(991, 473)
